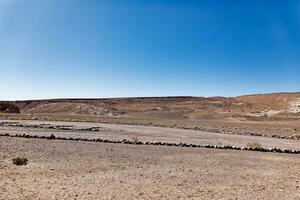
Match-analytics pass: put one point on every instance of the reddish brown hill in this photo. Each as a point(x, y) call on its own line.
point(270, 101)
point(285, 105)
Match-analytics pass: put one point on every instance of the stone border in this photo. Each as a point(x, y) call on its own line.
point(49, 126)
point(124, 141)
point(212, 130)
point(247, 133)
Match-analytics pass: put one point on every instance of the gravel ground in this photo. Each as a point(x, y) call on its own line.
point(86, 170)
point(148, 133)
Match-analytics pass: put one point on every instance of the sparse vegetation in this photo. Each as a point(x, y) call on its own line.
point(20, 161)
point(254, 145)
point(52, 137)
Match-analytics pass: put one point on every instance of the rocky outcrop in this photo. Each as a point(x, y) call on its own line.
point(294, 106)
point(9, 108)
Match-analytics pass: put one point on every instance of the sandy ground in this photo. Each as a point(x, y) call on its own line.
point(86, 170)
point(148, 133)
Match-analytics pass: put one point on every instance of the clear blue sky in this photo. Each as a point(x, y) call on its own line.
point(107, 48)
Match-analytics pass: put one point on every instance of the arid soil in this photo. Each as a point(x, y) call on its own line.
point(86, 170)
point(279, 128)
point(117, 132)
point(266, 114)
point(68, 169)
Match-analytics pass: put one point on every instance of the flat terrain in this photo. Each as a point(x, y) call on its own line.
point(117, 132)
point(86, 170)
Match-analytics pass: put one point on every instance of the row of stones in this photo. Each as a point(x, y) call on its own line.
point(223, 131)
point(124, 141)
point(288, 137)
point(48, 126)
point(213, 130)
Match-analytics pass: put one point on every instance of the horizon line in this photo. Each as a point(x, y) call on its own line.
point(142, 97)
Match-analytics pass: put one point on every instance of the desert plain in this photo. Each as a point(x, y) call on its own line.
point(152, 148)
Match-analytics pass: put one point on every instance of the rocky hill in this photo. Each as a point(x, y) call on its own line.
point(279, 105)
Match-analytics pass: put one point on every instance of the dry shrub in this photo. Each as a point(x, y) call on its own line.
point(20, 161)
point(52, 137)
